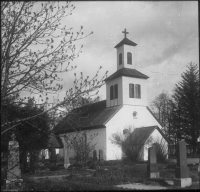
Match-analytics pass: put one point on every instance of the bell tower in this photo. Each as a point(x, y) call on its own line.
point(126, 86)
point(125, 53)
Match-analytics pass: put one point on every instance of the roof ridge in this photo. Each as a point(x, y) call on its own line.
point(128, 73)
point(120, 106)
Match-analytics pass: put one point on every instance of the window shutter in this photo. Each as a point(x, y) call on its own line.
point(136, 91)
point(116, 91)
point(129, 58)
point(139, 91)
point(120, 58)
point(131, 90)
point(111, 92)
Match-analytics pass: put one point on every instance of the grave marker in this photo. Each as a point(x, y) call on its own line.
point(94, 155)
point(14, 172)
point(152, 166)
point(182, 171)
point(101, 156)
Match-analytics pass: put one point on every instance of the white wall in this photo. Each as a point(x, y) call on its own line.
point(99, 140)
point(134, 101)
point(124, 49)
point(124, 118)
point(157, 137)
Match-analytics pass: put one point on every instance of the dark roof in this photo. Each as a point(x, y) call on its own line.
point(126, 41)
point(128, 73)
point(54, 142)
point(93, 116)
point(140, 135)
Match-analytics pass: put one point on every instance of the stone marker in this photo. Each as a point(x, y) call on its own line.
point(66, 157)
point(182, 171)
point(14, 172)
point(101, 156)
point(152, 166)
point(94, 155)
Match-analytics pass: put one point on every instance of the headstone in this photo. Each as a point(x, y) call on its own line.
point(14, 173)
point(57, 158)
point(152, 166)
point(182, 171)
point(94, 155)
point(101, 160)
point(66, 157)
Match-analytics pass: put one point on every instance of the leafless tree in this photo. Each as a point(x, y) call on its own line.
point(35, 48)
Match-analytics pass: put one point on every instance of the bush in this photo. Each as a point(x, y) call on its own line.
point(93, 165)
point(54, 168)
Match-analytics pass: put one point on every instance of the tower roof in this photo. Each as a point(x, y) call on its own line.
point(128, 73)
point(125, 41)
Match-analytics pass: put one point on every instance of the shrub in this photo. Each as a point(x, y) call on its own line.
point(54, 168)
point(93, 165)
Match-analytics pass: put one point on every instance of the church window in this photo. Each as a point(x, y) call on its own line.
point(137, 91)
point(134, 91)
point(131, 90)
point(120, 58)
point(111, 92)
point(129, 58)
point(114, 92)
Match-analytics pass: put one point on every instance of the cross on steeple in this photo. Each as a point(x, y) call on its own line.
point(125, 33)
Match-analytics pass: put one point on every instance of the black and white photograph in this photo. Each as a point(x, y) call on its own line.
point(100, 95)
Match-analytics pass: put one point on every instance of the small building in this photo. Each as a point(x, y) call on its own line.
point(125, 106)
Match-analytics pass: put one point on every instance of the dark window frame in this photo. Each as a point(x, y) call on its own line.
point(137, 91)
point(114, 92)
point(129, 58)
point(120, 58)
point(131, 90)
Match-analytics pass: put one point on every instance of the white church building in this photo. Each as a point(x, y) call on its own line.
point(125, 106)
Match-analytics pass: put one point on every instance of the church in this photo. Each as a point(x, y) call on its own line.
point(125, 107)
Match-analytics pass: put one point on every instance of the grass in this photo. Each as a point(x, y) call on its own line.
point(104, 179)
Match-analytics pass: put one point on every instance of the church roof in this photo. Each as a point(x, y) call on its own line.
point(128, 73)
point(140, 135)
point(125, 41)
point(54, 142)
point(92, 116)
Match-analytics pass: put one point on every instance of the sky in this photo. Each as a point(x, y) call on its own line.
point(166, 34)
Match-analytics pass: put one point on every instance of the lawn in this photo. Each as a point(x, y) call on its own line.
point(106, 177)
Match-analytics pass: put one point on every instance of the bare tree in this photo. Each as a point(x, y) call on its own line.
point(162, 108)
point(35, 48)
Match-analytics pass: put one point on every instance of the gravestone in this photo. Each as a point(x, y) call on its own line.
point(94, 155)
point(182, 171)
point(14, 173)
point(101, 160)
point(152, 166)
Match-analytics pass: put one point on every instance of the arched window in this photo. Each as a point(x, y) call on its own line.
point(120, 58)
point(129, 58)
point(137, 91)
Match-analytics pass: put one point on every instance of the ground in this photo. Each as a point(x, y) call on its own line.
point(108, 177)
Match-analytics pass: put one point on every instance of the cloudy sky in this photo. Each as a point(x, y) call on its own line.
point(166, 34)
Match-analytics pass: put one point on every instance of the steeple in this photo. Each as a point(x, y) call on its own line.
point(125, 53)
point(126, 86)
